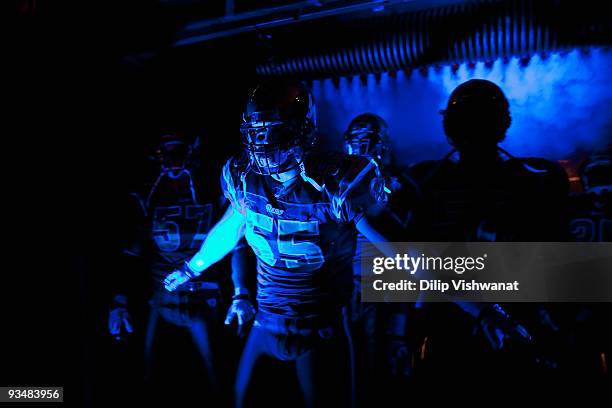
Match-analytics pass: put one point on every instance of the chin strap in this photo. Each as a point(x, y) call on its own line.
point(305, 177)
point(310, 180)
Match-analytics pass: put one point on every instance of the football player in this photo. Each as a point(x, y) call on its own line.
point(171, 219)
point(584, 328)
point(480, 192)
point(367, 135)
point(298, 211)
point(592, 209)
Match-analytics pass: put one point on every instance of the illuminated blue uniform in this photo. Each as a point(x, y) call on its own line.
point(172, 222)
point(304, 239)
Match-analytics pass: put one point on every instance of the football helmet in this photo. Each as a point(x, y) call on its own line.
point(367, 135)
point(596, 173)
point(477, 115)
point(173, 152)
point(278, 126)
point(175, 155)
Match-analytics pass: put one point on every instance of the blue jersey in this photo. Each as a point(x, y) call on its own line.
point(171, 222)
point(304, 239)
point(390, 185)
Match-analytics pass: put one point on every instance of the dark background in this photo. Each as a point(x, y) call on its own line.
point(82, 118)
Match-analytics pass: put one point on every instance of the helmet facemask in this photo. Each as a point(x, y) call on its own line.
point(173, 156)
point(278, 127)
point(366, 143)
point(273, 147)
point(367, 135)
point(174, 182)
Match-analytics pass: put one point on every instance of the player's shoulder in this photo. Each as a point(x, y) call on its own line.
point(341, 172)
point(355, 167)
point(547, 171)
point(236, 165)
point(324, 164)
point(337, 164)
point(545, 176)
point(537, 165)
point(233, 169)
point(133, 204)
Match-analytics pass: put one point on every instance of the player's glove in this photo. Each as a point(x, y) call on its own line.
point(179, 276)
point(499, 328)
point(241, 309)
point(119, 321)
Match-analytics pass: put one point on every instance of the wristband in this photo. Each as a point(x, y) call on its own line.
point(241, 294)
point(241, 291)
point(190, 272)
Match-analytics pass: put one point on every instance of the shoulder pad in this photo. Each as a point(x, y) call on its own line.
point(358, 172)
point(549, 173)
point(535, 165)
point(353, 166)
point(538, 166)
point(324, 164)
point(134, 204)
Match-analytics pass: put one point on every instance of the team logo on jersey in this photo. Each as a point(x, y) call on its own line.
point(273, 210)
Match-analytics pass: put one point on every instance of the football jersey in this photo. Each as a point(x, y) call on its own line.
point(304, 239)
point(511, 200)
point(171, 222)
point(390, 184)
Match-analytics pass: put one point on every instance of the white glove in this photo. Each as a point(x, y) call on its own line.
point(119, 318)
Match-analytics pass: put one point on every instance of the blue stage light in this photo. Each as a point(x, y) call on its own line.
point(560, 104)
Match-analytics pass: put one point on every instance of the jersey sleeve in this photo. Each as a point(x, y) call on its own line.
point(231, 185)
point(360, 190)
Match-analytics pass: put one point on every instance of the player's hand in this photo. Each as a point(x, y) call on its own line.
point(499, 329)
point(180, 276)
point(547, 321)
point(399, 356)
point(242, 310)
point(119, 320)
point(175, 279)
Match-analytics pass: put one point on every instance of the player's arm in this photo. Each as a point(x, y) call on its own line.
point(494, 321)
point(242, 268)
point(128, 265)
point(220, 241)
point(242, 307)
